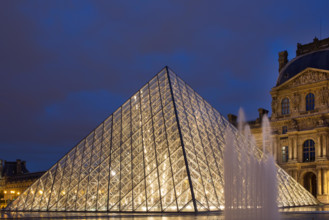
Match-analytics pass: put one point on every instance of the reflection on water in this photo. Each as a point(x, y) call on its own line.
point(318, 208)
point(320, 212)
point(89, 216)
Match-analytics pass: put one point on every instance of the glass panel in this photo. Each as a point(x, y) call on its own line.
point(136, 161)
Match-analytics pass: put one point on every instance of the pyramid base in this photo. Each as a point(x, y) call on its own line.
point(323, 198)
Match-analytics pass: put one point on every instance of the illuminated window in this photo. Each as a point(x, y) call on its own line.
point(310, 102)
point(308, 151)
point(285, 154)
point(285, 106)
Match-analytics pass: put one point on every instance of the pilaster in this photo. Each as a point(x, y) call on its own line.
point(319, 182)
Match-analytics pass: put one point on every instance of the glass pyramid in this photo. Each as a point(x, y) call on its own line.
point(161, 151)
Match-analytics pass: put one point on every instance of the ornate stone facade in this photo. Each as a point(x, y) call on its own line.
point(303, 125)
point(301, 136)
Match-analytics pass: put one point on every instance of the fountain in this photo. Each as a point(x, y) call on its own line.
point(250, 175)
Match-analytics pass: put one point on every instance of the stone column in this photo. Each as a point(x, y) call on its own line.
point(319, 180)
point(295, 148)
point(324, 146)
point(290, 149)
point(318, 147)
point(325, 181)
point(300, 153)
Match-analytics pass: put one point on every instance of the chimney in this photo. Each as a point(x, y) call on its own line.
point(283, 59)
point(262, 112)
point(316, 43)
point(232, 119)
point(18, 166)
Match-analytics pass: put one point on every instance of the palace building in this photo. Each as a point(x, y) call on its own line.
point(14, 180)
point(300, 117)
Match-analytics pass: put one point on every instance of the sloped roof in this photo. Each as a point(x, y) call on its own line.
point(318, 59)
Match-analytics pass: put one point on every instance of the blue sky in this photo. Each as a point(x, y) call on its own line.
point(66, 65)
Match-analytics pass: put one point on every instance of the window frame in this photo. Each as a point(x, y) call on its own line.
point(284, 154)
point(309, 151)
point(310, 102)
point(285, 106)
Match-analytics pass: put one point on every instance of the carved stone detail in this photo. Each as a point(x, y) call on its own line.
point(321, 122)
point(309, 123)
point(310, 77)
point(324, 95)
point(295, 102)
point(294, 124)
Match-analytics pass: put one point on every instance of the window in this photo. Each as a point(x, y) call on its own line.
point(308, 151)
point(284, 129)
point(284, 154)
point(285, 106)
point(310, 102)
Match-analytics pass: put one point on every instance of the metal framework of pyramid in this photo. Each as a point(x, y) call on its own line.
point(161, 151)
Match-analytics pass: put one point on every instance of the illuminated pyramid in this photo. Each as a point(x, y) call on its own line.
point(161, 151)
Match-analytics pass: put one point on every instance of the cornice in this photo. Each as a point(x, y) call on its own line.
point(314, 75)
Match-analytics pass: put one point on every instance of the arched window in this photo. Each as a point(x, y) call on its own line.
point(310, 102)
point(285, 106)
point(308, 151)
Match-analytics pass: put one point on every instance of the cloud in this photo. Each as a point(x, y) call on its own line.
point(66, 65)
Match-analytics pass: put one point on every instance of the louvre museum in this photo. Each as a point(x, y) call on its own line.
point(162, 150)
point(300, 117)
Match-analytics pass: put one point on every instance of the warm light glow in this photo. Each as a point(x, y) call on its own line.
point(18, 193)
point(134, 161)
point(5, 192)
point(12, 191)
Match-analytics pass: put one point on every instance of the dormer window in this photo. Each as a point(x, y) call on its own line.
point(285, 106)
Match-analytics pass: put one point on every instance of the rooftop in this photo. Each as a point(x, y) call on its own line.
point(315, 55)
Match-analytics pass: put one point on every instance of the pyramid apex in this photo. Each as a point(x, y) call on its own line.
point(166, 68)
point(161, 151)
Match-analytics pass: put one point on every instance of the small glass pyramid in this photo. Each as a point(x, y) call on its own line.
point(161, 151)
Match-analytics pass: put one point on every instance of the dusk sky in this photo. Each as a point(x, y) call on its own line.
point(67, 65)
